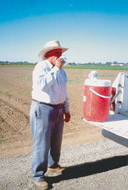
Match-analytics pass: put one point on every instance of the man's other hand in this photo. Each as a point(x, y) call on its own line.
point(67, 117)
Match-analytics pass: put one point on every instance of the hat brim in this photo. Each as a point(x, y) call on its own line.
point(43, 51)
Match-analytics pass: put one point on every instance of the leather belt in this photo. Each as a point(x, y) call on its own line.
point(52, 105)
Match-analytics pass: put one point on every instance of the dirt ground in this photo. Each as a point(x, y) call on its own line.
point(15, 101)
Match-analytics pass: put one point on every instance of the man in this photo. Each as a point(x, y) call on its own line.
point(49, 109)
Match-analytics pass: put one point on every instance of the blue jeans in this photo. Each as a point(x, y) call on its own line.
point(47, 128)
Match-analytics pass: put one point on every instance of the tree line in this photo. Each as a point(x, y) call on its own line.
point(70, 63)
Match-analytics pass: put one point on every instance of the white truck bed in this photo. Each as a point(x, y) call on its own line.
point(115, 128)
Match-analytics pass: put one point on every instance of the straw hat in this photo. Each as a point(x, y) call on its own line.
point(50, 46)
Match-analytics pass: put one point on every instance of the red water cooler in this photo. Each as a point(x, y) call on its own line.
point(97, 94)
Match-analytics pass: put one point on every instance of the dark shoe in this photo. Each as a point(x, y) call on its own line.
point(43, 185)
point(56, 168)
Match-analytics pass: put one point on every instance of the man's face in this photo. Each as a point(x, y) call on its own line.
point(53, 55)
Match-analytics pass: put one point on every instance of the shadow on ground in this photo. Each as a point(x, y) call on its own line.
point(90, 168)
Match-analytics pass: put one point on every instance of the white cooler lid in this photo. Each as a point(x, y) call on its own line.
point(97, 82)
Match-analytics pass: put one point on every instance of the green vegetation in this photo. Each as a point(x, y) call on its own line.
point(104, 67)
point(2, 139)
point(74, 81)
point(4, 92)
point(27, 78)
point(16, 63)
point(94, 66)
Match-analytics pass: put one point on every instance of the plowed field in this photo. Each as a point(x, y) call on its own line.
point(15, 100)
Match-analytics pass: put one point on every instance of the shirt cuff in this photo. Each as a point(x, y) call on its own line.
point(55, 68)
point(66, 110)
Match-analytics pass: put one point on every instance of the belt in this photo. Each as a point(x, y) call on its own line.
point(52, 105)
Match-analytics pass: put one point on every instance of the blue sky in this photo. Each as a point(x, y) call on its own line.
point(93, 30)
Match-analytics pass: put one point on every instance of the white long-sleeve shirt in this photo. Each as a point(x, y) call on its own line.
point(50, 84)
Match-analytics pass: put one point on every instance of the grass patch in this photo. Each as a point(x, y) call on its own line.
point(103, 67)
point(19, 65)
point(28, 78)
point(2, 139)
point(4, 92)
point(74, 81)
point(106, 76)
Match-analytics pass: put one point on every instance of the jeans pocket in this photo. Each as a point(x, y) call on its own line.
point(42, 111)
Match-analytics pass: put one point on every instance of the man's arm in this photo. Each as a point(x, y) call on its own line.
point(44, 79)
point(66, 109)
